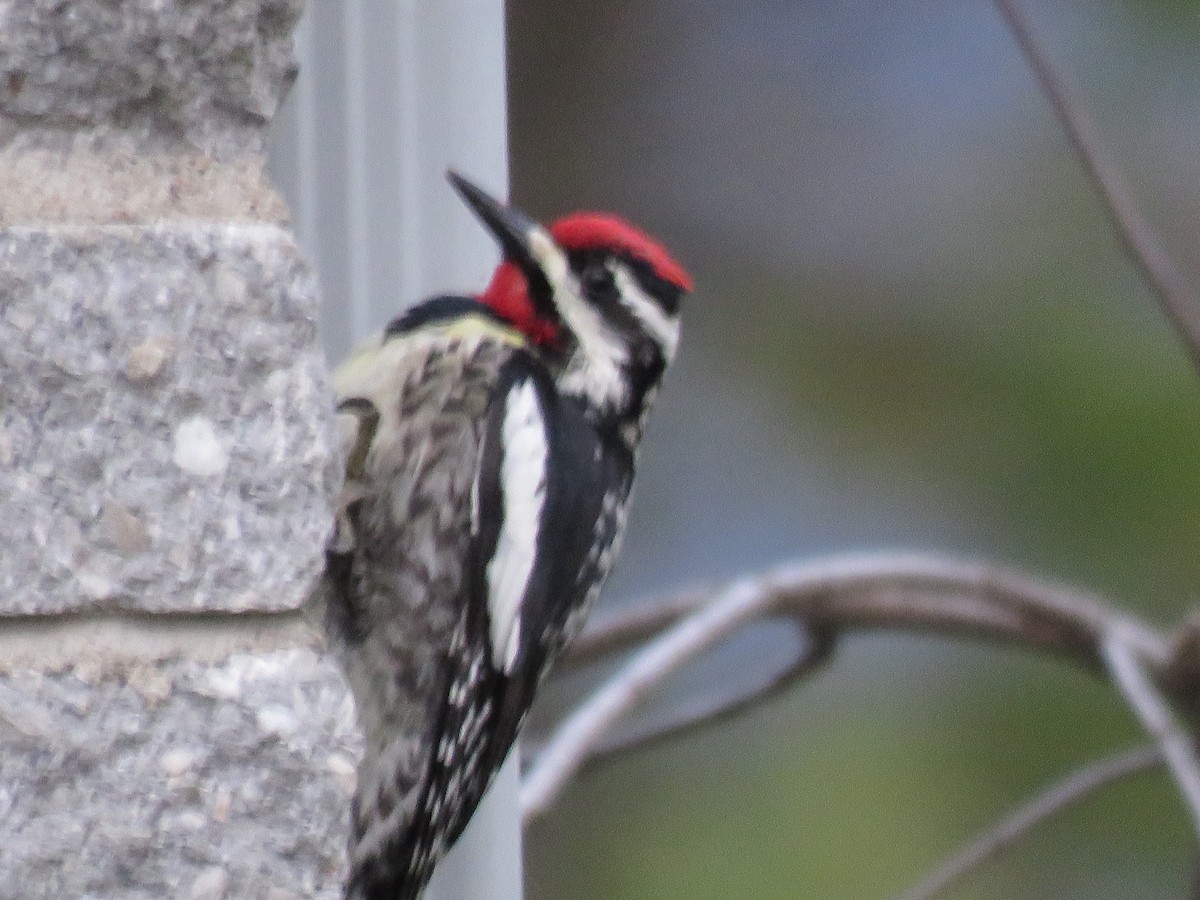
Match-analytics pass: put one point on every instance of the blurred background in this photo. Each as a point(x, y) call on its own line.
point(913, 328)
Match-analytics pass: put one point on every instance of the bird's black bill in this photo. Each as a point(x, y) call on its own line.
point(511, 227)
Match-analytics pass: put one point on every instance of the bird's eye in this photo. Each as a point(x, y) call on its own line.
point(597, 280)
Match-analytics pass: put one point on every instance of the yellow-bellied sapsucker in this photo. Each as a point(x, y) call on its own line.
point(490, 448)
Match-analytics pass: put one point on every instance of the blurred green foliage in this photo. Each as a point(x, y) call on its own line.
point(1076, 432)
point(1009, 372)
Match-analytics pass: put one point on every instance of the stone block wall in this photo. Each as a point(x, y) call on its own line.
point(169, 725)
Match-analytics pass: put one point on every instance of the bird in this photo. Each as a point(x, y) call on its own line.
point(490, 443)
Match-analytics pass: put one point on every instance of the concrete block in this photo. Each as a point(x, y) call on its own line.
point(207, 74)
point(166, 432)
point(176, 778)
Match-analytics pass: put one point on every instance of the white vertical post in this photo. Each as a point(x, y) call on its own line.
point(392, 94)
point(485, 864)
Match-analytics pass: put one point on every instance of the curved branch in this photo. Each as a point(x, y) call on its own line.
point(1059, 796)
point(1151, 708)
point(717, 707)
point(833, 596)
point(620, 630)
point(574, 738)
point(908, 591)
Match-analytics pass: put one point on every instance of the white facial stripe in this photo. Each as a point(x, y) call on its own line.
point(549, 257)
point(663, 328)
point(581, 318)
point(595, 368)
point(523, 493)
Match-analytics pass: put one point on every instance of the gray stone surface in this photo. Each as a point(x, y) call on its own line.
point(207, 74)
point(169, 727)
point(176, 780)
point(165, 421)
point(122, 186)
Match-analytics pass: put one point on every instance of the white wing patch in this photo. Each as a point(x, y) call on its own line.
point(523, 494)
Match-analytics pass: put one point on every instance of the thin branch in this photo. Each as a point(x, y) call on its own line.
point(625, 628)
point(714, 708)
point(1151, 708)
point(584, 728)
point(833, 596)
point(1175, 297)
point(1059, 796)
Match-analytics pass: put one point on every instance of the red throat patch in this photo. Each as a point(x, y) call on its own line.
point(508, 295)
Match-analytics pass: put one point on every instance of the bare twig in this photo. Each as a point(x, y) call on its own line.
point(627, 627)
point(910, 592)
point(1054, 799)
point(569, 746)
point(714, 708)
point(1174, 295)
point(1151, 708)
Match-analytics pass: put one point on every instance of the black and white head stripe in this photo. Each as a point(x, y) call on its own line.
point(617, 321)
point(653, 319)
point(596, 295)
